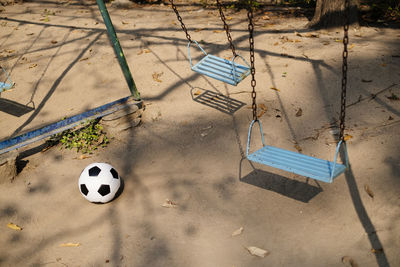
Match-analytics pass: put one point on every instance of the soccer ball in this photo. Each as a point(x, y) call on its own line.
point(99, 182)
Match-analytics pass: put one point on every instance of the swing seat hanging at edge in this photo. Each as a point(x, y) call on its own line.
point(3, 85)
point(297, 163)
point(220, 69)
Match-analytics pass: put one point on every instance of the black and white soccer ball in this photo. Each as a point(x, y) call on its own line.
point(99, 182)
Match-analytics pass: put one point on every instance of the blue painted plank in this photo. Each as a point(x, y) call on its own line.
point(228, 62)
point(214, 76)
point(221, 69)
point(227, 67)
point(297, 163)
point(60, 126)
point(296, 158)
point(211, 68)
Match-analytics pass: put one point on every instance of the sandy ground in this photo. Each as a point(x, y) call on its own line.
point(59, 56)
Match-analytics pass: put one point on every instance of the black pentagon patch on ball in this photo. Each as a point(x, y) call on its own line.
point(104, 190)
point(94, 171)
point(114, 173)
point(84, 189)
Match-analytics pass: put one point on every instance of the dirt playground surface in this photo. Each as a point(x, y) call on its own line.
point(190, 151)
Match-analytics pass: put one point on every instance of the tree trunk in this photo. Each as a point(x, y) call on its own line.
point(330, 14)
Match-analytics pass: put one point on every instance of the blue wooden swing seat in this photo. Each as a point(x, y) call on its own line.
point(3, 85)
point(297, 163)
point(218, 68)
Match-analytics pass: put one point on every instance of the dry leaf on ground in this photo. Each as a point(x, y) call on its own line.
point(312, 35)
point(157, 75)
point(143, 51)
point(33, 66)
point(217, 31)
point(46, 19)
point(14, 227)
point(262, 106)
point(70, 245)
point(298, 148)
point(262, 112)
point(169, 204)
point(349, 262)
point(299, 112)
point(276, 89)
point(366, 81)
point(255, 251)
point(369, 191)
point(238, 232)
point(84, 157)
point(198, 92)
point(376, 251)
point(347, 137)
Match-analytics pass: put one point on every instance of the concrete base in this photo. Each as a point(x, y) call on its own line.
point(124, 119)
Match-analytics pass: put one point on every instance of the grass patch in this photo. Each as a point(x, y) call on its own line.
point(86, 139)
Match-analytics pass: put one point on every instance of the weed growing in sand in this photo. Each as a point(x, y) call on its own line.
point(85, 139)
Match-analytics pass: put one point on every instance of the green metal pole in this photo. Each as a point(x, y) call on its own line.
point(118, 50)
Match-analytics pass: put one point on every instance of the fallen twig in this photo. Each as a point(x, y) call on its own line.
point(241, 92)
point(372, 96)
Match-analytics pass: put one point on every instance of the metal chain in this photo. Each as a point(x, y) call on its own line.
point(252, 68)
point(344, 69)
point(226, 27)
point(181, 21)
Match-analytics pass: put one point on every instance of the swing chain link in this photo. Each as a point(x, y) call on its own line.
point(181, 21)
point(252, 68)
point(344, 69)
point(226, 27)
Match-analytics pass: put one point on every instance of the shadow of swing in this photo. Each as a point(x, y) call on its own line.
point(297, 190)
point(215, 100)
point(14, 108)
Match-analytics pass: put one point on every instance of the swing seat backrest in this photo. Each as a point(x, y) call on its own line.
point(219, 68)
